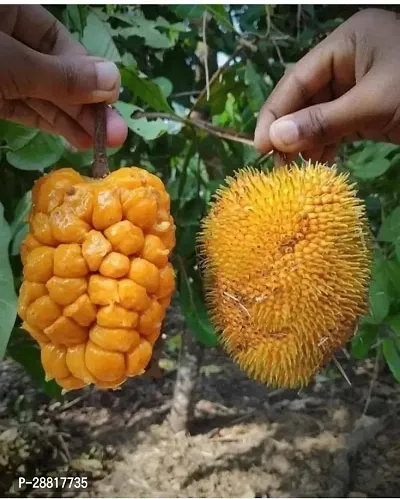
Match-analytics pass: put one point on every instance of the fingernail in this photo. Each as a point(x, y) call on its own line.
point(284, 132)
point(107, 76)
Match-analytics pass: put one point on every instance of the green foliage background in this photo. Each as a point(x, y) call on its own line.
point(193, 140)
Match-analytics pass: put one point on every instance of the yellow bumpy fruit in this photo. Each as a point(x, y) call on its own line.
point(286, 260)
point(97, 277)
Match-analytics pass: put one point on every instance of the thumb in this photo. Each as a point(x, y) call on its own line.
point(329, 122)
point(79, 79)
point(71, 79)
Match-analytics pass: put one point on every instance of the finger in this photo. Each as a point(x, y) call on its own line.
point(331, 58)
point(323, 95)
point(61, 123)
point(76, 124)
point(310, 75)
point(313, 154)
point(329, 122)
point(329, 154)
point(72, 79)
point(35, 27)
point(117, 129)
point(19, 112)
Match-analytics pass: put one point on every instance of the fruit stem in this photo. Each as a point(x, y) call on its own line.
point(100, 164)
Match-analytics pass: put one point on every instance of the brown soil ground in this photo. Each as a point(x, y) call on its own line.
point(247, 440)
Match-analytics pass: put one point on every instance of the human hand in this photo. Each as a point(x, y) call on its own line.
point(347, 88)
point(48, 81)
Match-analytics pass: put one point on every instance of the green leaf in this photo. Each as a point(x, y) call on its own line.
point(193, 308)
point(372, 152)
point(188, 11)
point(221, 16)
point(179, 27)
point(393, 273)
point(372, 170)
point(26, 352)
point(256, 85)
point(152, 37)
point(392, 357)
point(21, 212)
point(145, 89)
point(365, 338)
point(165, 85)
point(17, 135)
point(42, 151)
point(8, 299)
point(397, 251)
point(98, 40)
point(148, 129)
point(18, 238)
point(76, 18)
point(128, 59)
point(379, 302)
point(394, 323)
point(390, 228)
point(19, 226)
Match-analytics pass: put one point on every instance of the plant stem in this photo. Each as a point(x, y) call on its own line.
point(210, 128)
point(214, 77)
point(100, 165)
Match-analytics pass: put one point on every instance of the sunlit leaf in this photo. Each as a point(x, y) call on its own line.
point(148, 129)
point(42, 151)
point(98, 40)
point(221, 16)
point(165, 85)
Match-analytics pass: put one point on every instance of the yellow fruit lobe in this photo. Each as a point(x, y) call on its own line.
point(286, 264)
point(97, 276)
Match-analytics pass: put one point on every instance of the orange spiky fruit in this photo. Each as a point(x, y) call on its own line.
point(97, 278)
point(286, 263)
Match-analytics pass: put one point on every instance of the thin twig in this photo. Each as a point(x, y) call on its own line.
point(64, 447)
point(202, 125)
point(100, 164)
point(268, 15)
point(74, 401)
point(278, 51)
point(188, 93)
point(298, 20)
point(206, 55)
point(373, 380)
point(341, 370)
point(214, 77)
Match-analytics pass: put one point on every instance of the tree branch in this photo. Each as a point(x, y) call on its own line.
point(206, 54)
point(208, 127)
point(214, 77)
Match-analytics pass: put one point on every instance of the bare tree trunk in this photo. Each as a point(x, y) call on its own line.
point(183, 402)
